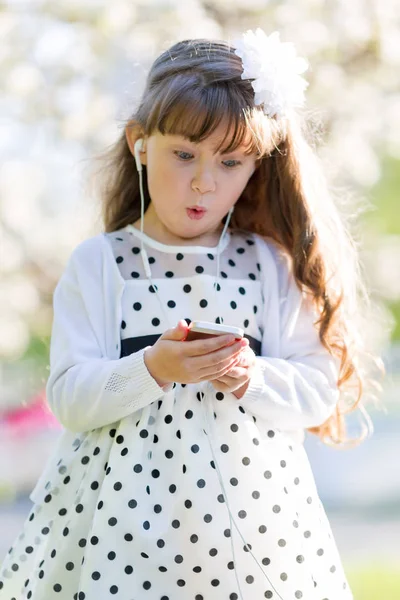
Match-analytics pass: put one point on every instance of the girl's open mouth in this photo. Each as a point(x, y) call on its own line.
point(196, 213)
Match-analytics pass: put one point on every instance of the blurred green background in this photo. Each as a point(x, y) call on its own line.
point(72, 72)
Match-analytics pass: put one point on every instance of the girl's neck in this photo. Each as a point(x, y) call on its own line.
point(162, 235)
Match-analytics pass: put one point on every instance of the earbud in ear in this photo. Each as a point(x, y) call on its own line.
point(136, 149)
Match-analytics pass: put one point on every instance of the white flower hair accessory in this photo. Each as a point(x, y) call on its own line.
point(275, 69)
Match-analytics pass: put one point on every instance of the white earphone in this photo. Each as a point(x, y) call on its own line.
point(136, 149)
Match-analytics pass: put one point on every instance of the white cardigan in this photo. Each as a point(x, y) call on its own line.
point(293, 387)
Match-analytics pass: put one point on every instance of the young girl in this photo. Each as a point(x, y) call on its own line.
point(181, 473)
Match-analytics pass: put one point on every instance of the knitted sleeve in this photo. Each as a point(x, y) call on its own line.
point(86, 389)
point(294, 385)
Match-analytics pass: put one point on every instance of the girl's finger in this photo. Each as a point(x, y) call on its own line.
point(237, 372)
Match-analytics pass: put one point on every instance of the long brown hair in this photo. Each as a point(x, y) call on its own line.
point(191, 88)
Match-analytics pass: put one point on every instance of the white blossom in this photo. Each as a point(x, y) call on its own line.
point(275, 69)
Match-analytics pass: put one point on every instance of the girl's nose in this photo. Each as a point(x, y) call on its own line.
point(204, 181)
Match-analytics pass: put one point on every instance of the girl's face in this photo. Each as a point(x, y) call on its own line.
point(182, 175)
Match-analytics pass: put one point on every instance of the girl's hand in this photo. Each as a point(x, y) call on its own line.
point(238, 378)
point(171, 360)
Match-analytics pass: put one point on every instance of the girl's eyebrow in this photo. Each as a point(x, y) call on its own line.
point(187, 138)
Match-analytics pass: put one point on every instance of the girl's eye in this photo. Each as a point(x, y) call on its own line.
point(178, 153)
point(188, 156)
point(237, 163)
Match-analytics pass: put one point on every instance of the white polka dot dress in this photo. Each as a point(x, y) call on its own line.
point(135, 510)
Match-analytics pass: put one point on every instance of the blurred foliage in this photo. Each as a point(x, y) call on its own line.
point(385, 218)
point(374, 581)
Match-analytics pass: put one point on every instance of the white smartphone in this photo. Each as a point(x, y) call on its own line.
point(204, 329)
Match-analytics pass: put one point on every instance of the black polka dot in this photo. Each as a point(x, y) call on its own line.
point(199, 269)
point(119, 259)
point(242, 291)
point(231, 263)
point(123, 324)
point(187, 288)
point(136, 250)
point(137, 306)
point(155, 322)
point(203, 303)
point(233, 304)
point(179, 256)
point(169, 274)
point(135, 275)
point(171, 304)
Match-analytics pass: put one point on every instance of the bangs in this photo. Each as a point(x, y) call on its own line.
point(195, 113)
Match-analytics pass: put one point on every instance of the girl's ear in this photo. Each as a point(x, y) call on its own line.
point(132, 134)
